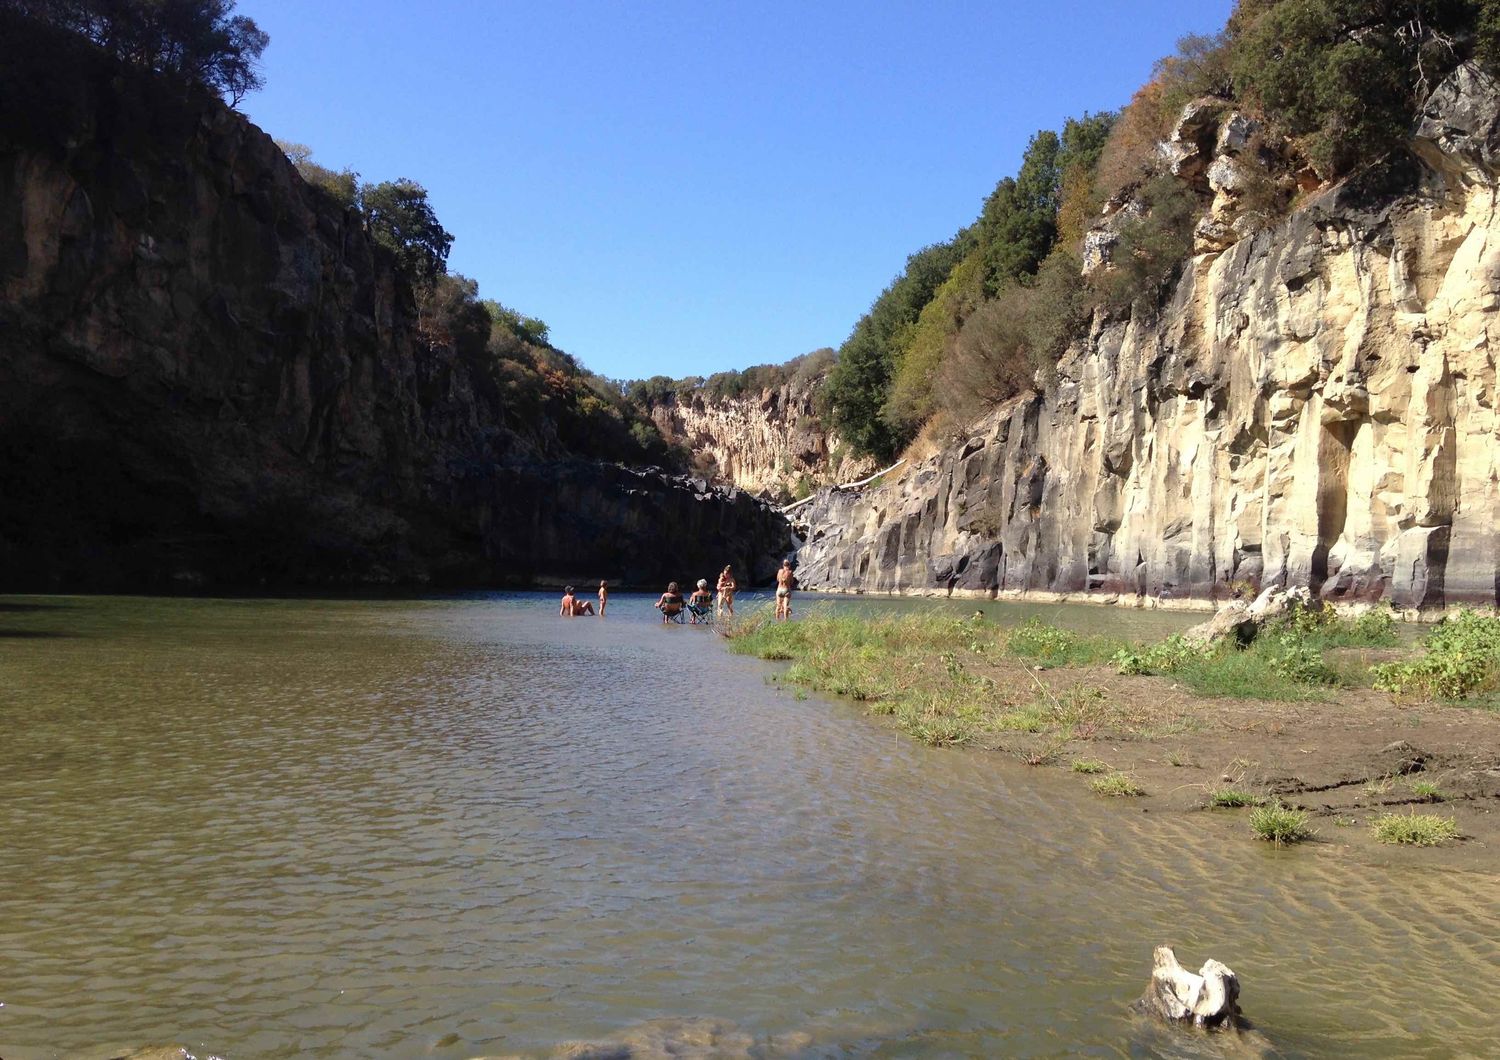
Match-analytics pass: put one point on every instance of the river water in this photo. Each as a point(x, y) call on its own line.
point(463, 827)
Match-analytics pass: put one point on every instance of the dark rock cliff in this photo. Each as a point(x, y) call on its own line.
point(210, 375)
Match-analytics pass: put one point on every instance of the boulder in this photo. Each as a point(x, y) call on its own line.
point(1207, 998)
point(1231, 620)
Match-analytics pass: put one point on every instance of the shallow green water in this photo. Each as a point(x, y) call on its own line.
point(451, 828)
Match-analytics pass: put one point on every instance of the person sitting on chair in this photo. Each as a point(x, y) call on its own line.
point(701, 602)
point(572, 606)
point(671, 604)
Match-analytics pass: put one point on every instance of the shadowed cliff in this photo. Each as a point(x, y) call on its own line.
point(210, 375)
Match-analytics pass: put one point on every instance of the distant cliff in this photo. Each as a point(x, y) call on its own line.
point(1316, 405)
point(772, 441)
point(211, 375)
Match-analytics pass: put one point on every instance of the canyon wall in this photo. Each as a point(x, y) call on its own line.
point(211, 375)
point(1315, 405)
point(773, 442)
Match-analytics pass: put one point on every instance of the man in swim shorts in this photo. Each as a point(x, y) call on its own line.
point(785, 580)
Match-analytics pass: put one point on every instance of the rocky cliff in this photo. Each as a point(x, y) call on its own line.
point(1316, 405)
point(772, 442)
point(211, 375)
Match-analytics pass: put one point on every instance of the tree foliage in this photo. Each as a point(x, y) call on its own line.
point(1345, 76)
point(200, 40)
point(402, 220)
point(859, 384)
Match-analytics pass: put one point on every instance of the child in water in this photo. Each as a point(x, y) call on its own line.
point(603, 596)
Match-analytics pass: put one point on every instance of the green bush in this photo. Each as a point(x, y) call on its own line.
point(1164, 658)
point(1462, 658)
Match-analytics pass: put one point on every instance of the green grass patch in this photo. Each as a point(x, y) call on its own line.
point(1426, 789)
point(1285, 662)
point(1117, 785)
point(1056, 646)
point(1415, 829)
point(1089, 765)
point(1279, 824)
point(1231, 798)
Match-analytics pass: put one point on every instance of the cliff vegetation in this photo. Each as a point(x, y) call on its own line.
point(1324, 90)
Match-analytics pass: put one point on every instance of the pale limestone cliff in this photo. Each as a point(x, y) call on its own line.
point(769, 443)
point(1316, 406)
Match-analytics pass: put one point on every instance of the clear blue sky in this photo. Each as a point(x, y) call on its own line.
point(681, 188)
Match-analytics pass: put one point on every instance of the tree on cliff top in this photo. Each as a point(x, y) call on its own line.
point(401, 219)
point(201, 40)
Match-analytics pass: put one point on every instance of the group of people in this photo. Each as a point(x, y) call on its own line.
point(701, 604)
point(572, 606)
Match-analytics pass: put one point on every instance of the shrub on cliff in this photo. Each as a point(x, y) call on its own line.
point(1345, 76)
point(199, 40)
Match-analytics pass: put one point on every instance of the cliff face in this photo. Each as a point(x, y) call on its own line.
point(209, 374)
point(1316, 406)
point(768, 443)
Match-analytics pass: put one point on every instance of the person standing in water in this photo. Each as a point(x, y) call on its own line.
point(726, 591)
point(603, 596)
point(785, 580)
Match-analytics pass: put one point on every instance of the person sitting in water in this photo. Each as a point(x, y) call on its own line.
point(727, 587)
point(700, 602)
point(572, 606)
point(671, 603)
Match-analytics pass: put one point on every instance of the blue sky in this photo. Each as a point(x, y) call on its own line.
point(683, 188)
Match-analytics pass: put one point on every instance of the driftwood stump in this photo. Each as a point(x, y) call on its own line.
point(1208, 998)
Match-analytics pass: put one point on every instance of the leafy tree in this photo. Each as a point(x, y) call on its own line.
point(1019, 221)
point(527, 329)
point(859, 383)
point(201, 40)
point(402, 220)
point(343, 185)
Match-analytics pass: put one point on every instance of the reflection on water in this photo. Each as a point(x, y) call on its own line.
point(457, 827)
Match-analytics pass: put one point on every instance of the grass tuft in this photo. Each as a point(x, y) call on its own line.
point(1279, 824)
point(1415, 829)
point(1427, 789)
point(1116, 785)
point(1231, 798)
point(1089, 765)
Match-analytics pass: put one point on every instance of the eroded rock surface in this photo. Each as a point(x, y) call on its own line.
point(1315, 406)
point(768, 442)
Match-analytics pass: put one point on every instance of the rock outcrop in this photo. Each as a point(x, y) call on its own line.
point(770, 442)
point(210, 374)
point(1314, 406)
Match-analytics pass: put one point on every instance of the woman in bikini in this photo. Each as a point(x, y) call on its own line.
point(726, 591)
point(671, 603)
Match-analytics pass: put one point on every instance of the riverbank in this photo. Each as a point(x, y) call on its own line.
point(1122, 601)
point(1296, 721)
